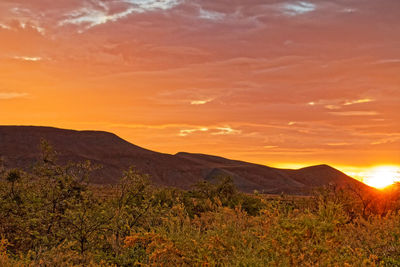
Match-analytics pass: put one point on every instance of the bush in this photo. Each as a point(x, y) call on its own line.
point(53, 217)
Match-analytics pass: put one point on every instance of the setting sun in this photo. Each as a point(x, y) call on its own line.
point(382, 176)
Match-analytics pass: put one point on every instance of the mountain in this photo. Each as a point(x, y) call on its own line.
point(19, 147)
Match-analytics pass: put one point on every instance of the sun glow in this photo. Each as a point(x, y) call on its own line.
point(382, 176)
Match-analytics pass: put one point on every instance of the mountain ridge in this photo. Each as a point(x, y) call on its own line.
point(19, 145)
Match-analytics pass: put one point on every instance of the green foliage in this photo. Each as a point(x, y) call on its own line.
point(52, 216)
point(206, 195)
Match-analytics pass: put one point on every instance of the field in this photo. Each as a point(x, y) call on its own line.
point(52, 217)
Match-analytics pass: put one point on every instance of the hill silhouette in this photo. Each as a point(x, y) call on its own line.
point(19, 147)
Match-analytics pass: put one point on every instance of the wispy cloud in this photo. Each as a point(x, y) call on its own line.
point(359, 101)
point(28, 58)
point(338, 103)
point(186, 132)
point(5, 27)
point(298, 8)
point(93, 16)
point(355, 113)
point(387, 61)
point(349, 10)
point(270, 147)
point(29, 25)
point(339, 144)
point(11, 95)
point(226, 131)
point(211, 15)
point(333, 107)
point(212, 130)
point(386, 140)
point(201, 102)
point(149, 5)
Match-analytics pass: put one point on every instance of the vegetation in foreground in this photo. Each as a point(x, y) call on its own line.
point(53, 217)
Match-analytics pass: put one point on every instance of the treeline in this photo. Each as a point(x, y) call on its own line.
point(52, 216)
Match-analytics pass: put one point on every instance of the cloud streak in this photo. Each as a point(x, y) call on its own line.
point(359, 101)
point(34, 59)
point(355, 113)
point(298, 8)
point(201, 102)
point(92, 17)
point(11, 95)
point(187, 132)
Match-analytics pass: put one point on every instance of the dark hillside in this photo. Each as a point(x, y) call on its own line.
point(20, 147)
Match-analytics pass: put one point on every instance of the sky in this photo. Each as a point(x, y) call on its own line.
point(281, 83)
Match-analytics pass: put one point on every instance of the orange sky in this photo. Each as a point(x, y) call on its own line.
point(283, 83)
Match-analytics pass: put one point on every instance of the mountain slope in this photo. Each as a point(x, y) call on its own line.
point(274, 180)
point(19, 146)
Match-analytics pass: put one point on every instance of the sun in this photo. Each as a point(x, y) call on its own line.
point(382, 176)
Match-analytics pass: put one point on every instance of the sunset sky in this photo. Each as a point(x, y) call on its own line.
point(282, 83)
